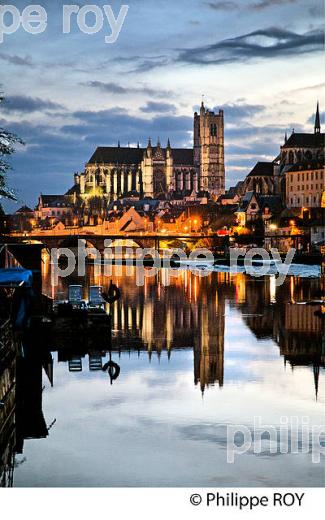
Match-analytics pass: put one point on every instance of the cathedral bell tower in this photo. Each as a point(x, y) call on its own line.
point(147, 170)
point(209, 157)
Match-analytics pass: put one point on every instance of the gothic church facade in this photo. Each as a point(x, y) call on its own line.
point(154, 171)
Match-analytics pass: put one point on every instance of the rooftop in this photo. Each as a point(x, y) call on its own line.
point(262, 169)
point(305, 141)
point(24, 209)
point(134, 156)
point(54, 201)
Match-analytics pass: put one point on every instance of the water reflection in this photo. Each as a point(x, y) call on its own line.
point(191, 313)
point(205, 317)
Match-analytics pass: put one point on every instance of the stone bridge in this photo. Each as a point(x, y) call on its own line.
point(54, 239)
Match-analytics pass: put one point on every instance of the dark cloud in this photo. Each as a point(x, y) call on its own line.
point(107, 126)
point(28, 104)
point(264, 43)
point(240, 111)
point(260, 5)
point(317, 10)
point(265, 4)
point(223, 6)
point(16, 60)
point(147, 64)
point(153, 106)
point(115, 88)
point(309, 87)
point(144, 63)
point(111, 88)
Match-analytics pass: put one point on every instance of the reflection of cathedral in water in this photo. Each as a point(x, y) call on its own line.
point(188, 314)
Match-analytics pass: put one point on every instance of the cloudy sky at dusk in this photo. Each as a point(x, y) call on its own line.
point(259, 60)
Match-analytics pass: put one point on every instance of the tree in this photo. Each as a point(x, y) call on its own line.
point(8, 141)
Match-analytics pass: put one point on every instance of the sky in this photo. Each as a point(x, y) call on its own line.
point(66, 94)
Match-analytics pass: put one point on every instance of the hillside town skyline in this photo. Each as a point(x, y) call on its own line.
point(167, 191)
point(156, 142)
point(257, 61)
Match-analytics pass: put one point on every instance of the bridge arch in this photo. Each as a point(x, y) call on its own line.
point(127, 242)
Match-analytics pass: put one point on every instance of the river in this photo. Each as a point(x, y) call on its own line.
point(198, 359)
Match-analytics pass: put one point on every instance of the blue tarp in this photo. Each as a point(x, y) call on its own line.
point(22, 280)
point(16, 276)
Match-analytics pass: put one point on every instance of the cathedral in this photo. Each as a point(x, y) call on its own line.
point(155, 171)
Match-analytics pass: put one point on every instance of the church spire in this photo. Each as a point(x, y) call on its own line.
point(317, 120)
point(168, 143)
point(285, 137)
point(158, 143)
point(149, 148)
